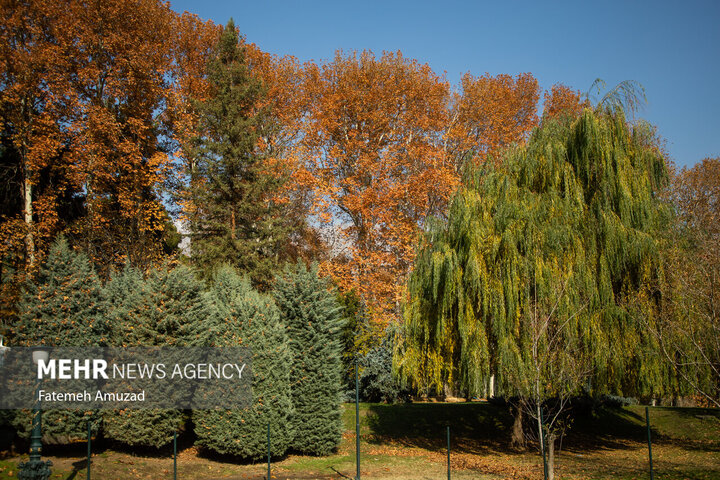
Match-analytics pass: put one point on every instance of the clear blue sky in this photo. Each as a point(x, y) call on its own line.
point(671, 47)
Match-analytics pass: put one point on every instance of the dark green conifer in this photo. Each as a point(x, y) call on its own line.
point(247, 318)
point(62, 306)
point(233, 218)
point(312, 316)
point(167, 309)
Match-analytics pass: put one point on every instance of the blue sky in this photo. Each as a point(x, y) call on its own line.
point(671, 47)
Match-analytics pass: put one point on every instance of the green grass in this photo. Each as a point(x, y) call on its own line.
point(407, 441)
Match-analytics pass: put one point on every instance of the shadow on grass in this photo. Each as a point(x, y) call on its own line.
point(474, 427)
point(77, 467)
point(480, 427)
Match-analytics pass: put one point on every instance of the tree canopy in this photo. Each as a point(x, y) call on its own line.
point(562, 232)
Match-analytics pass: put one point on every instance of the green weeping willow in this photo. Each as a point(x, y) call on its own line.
point(562, 234)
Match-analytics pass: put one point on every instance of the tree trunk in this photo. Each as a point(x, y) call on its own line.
point(518, 438)
point(550, 442)
point(447, 391)
point(28, 208)
point(541, 434)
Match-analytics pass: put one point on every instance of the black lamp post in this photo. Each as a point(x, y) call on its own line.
point(35, 468)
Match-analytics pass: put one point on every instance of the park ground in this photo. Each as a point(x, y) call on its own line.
point(408, 441)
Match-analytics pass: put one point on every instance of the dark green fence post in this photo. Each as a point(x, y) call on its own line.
point(448, 442)
point(89, 451)
point(647, 421)
point(357, 421)
point(268, 441)
point(174, 455)
point(542, 444)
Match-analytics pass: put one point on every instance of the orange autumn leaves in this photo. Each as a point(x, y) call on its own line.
point(93, 95)
point(384, 141)
point(372, 145)
point(493, 112)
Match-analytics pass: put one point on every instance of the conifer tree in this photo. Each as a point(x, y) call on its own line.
point(61, 307)
point(234, 217)
point(312, 317)
point(174, 310)
point(124, 294)
point(167, 309)
point(247, 318)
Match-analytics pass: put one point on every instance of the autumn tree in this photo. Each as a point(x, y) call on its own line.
point(561, 100)
point(546, 271)
point(121, 65)
point(374, 148)
point(85, 102)
point(233, 216)
point(690, 329)
point(32, 104)
point(490, 113)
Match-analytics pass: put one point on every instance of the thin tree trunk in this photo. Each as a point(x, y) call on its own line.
point(541, 437)
point(551, 455)
point(28, 208)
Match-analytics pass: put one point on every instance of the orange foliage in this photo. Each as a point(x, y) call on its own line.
point(491, 113)
point(562, 100)
point(31, 101)
point(122, 59)
point(374, 147)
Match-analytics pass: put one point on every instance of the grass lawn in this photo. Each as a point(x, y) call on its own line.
point(408, 442)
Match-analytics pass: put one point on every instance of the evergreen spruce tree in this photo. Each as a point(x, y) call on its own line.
point(312, 316)
point(174, 312)
point(124, 294)
point(62, 306)
point(167, 309)
point(233, 217)
point(247, 318)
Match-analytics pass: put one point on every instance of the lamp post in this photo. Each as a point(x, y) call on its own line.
point(35, 468)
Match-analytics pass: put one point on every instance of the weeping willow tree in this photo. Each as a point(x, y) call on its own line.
point(545, 270)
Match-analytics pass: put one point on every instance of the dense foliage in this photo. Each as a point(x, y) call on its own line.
point(563, 232)
point(547, 274)
point(378, 383)
point(548, 262)
point(62, 307)
point(234, 217)
point(689, 331)
point(245, 317)
point(106, 111)
point(166, 309)
point(312, 317)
